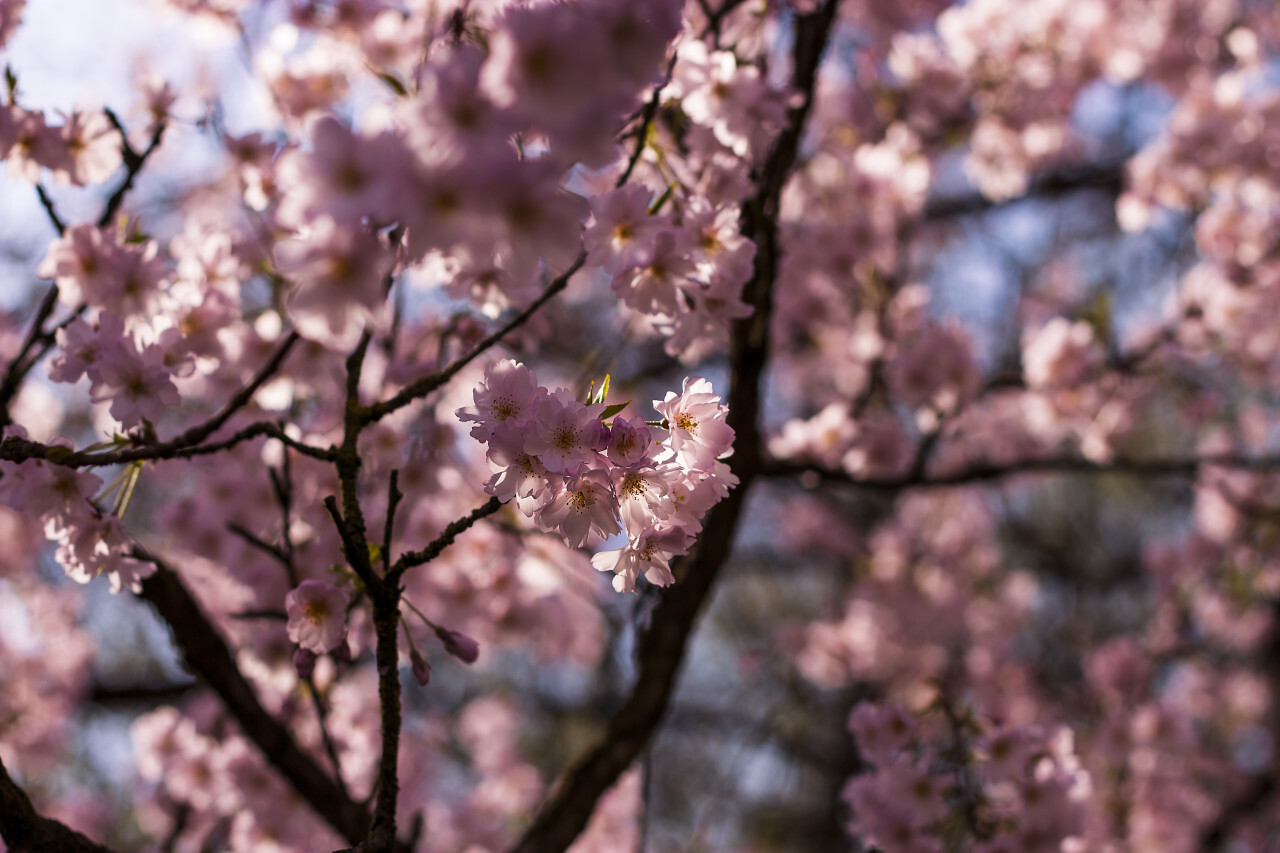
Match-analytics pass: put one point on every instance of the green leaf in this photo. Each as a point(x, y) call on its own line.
point(604, 391)
point(375, 554)
point(613, 409)
point(11, 83)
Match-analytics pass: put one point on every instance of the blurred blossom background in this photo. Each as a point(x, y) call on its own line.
point(1003, 289)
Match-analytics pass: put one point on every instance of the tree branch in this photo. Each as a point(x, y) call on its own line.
point(133, 163)
point(983, 472)
point(416, 558)
point(432, 381)
point(25, 831)
point(187, 444)
point(50, 210)
point(208, 656)
point(23, 361)
point(661, 649)
point(1106, 175)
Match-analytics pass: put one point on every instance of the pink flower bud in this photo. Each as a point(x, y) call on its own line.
point(459, 645)
point(304, 661)
point(343, 653)
point(421, 668)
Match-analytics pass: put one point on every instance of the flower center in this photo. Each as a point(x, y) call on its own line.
point(565, 438)
point(505, 407)
point(315, 611)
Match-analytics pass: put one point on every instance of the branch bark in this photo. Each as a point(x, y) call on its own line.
point(208, 656)
point(661, 649)
point(25, 830)
point(985, 472)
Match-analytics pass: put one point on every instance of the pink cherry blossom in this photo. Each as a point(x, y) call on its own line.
point(694, 418)
point(566, 434)
point(648, 554)
point(317, 615)
point(586, 504)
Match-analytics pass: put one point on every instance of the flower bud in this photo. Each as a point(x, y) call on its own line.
point(304, 661)
point(421, 668)
point(459, 645)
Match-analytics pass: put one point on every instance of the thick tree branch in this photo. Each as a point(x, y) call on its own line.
point(26, 831)
point(661, 649)
point(208, 656)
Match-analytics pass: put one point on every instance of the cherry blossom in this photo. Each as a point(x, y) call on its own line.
point(317, 615)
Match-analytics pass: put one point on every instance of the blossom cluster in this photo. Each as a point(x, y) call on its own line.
point(90, 542)
point(85, 149)
point(1016, 787)
point(573, 473)
point(489, 213)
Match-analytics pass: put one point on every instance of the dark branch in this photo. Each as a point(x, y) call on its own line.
point(431, 382)
point(133, 163)
point(209, 658)
point(416, 558)
point(987, 472)
point(187, 444)
point(24, 830)
point(661, 649)
point(1105, 175)
point(50, 210)
point(24, 360)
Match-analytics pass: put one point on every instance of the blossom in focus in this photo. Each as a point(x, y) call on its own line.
point(695, 418)
point(317, 615)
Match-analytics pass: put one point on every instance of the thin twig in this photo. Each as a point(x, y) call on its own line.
point(133, 163)
point(50, 210)
point(431, 382)
point(187, 444)
point(416, 558)
point(329, 748)
point(23, 361)
point(257, 542)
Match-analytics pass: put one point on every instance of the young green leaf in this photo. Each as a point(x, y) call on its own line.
point(613, 409)
point(603, 392)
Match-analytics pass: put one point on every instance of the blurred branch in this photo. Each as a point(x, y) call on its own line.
point(133, 163)
point(983, 472)
point(26, 831)
point(148, 694)
point(1106, 175)
point(661, 648)
point(208, 656)
point(50, 210)
point(24, 360)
